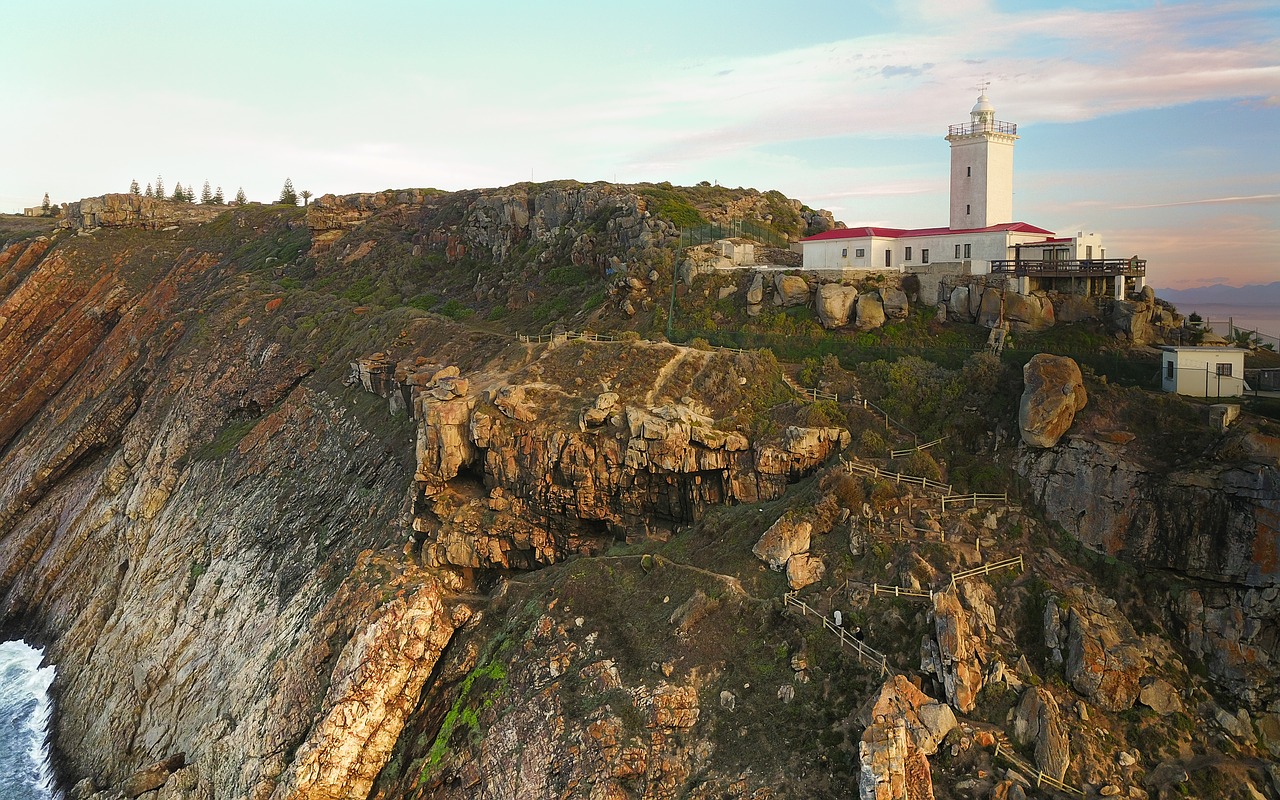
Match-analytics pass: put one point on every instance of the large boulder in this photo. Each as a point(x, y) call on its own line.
point(1028, 312)
point(835, 304)
point(870, 311)
point(895, 303)
point(1074, 308)
point(991, 308)
point(1101, 664)
point(1160, 696)
point(1133, 320)
point(804, 570)
point(792, 290)
point(958, 304)
point(755, 292)
point(785, 538)
point(1038, 722)
point(1053, 393)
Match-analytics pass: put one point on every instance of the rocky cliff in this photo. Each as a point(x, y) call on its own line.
point(1212, 516)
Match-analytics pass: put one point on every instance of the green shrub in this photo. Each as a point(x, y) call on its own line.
point(823, 414)
point(872, 444)
point(568, 275)
point(455, 310)
point(423, 302)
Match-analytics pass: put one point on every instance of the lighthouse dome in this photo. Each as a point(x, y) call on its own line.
point(983, 106)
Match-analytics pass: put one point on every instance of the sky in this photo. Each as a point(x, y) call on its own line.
point(1154, 124)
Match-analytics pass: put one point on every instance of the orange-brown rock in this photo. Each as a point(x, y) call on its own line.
point(1053, 393)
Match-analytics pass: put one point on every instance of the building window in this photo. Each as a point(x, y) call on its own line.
point(907, 257)
point(968, 251)
point(957, 251)
point(924, 255)
point(888, 258)
point(1224, 370)
point(968, 172)
point(1088, 252)
point(1168, 370)
point(844, 252)
point(861, 252)
point(966, 208)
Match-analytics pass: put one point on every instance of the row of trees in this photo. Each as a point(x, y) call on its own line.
point(208, 196)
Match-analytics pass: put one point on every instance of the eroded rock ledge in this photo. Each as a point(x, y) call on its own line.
point(520, 473)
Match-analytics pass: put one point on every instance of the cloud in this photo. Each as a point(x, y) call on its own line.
point(1256, 198)
point(1058, 65)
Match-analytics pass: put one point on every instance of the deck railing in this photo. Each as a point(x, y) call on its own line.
point(995, 126)
point(1021, 267)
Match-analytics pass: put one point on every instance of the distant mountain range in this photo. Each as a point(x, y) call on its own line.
point(1258, 294)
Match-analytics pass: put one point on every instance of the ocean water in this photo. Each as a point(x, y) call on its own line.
point(1264, 319)
point(24, 714)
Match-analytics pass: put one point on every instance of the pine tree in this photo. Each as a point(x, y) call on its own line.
point(206, 195)
point(149, 192)
point(218, 199)
point(133, 188)
point(179, 194)
point(159, 188)
point(240, 198)
point(44, 206)
point(288, 197)
point(306, 196)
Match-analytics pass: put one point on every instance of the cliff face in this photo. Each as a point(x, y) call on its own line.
point(192, 533)
point(205, 528)
point(1215, 521)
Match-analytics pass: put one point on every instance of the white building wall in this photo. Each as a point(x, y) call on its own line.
point(1194, 372)
point(843, 254)
point(981, 180)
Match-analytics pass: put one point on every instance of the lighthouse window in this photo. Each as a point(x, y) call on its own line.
point(924, 255)
point(957, 251)
point(968, 251)
point(908, 255)
point(966, 208)
point(844, 252)
point(968, 172)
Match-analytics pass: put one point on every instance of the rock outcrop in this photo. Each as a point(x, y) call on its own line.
point(790, 290)
point(134, 211)
point(960, 652)
point(1038, 722)
point(902, 726)
point(785, 538)
point(1053, 393)
point(1105, 660)
point(506, 483)
point(870, 311)
point(835, 304)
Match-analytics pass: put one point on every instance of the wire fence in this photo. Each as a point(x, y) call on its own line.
point(738, 228)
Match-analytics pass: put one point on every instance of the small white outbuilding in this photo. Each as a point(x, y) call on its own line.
point(1203, 371)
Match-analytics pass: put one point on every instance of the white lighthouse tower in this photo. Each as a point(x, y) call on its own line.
point(981, 169)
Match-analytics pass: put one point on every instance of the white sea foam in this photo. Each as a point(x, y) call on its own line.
point(25, 772)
